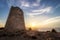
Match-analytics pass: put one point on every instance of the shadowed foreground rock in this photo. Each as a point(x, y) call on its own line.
point(22, 35)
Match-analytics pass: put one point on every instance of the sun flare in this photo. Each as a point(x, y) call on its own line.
point(33, 25)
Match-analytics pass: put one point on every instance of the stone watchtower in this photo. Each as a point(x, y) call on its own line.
point(15, 20)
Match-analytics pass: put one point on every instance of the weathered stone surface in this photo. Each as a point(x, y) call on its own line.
point(15, 20)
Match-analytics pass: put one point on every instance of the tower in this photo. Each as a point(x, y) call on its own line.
point(15, 20)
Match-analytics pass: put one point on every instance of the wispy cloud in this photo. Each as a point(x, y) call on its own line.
point(23, 3)
point(37, 3)
point(41, 11)
point(10, 3)
point(51, 20)
point(57, 6)
point(29, 4)
point(50, 23)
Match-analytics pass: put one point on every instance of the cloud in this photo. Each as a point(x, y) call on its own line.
point(29, 4)
point(19, 3)
point(40, 11)
point(16, 3)
point(51, 20)
point(49, 23)
point(57, 6)
point(35, 4)
point(25, 4)
point(10, 3)
point(38, 1)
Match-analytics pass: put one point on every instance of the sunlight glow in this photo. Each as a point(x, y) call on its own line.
point(49, 23)
point(51, 20)
point(1, 25)
point(33, 25)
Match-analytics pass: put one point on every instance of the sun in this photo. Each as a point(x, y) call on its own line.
point(33, 25)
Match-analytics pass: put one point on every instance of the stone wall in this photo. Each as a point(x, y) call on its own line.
point(15, 20)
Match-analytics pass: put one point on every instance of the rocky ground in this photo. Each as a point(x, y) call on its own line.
point(29, 35)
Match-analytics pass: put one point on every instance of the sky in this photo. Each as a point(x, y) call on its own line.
point(39, 15)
